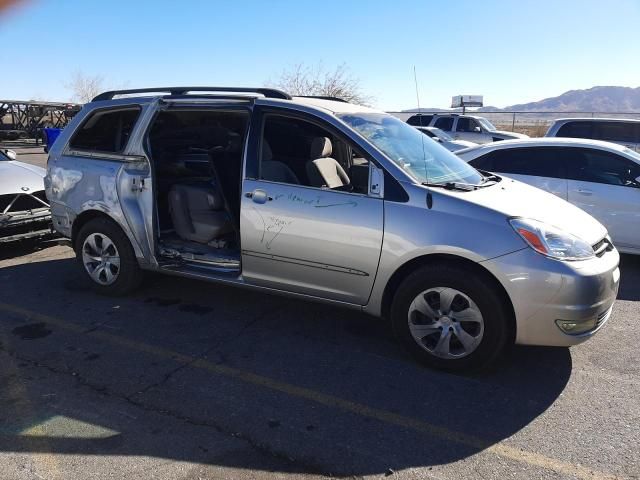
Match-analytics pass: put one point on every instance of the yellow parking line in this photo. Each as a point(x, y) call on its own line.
point(505, 451)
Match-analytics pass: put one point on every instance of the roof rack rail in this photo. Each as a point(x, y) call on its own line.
point(267, 92)
point(325, 97)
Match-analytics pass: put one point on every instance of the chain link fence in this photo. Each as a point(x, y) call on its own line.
point(534, 124)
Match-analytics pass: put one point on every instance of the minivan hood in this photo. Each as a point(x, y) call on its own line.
point(517, 199)
point(510, 135)
point(17, 176)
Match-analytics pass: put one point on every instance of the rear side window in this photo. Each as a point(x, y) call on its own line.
point(420, 120)
point(105, 130)
point(539, 162)
point(575, 130)
point(444, 123)
point(615, 131)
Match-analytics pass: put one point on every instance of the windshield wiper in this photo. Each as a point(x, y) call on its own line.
point(489, 177)
point(462, 187)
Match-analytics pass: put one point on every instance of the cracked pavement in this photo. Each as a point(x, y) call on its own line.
point(190, 380)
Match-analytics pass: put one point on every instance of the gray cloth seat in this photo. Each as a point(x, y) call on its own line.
point(322, 170)
point(198, 212)
point(273, 170)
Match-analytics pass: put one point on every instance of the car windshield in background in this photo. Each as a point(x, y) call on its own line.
point(442, 134)
point(3, 156)
point(487, 125)
point(406, 146)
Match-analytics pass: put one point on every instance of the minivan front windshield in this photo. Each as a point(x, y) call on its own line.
point(487, 124)
point(426, 161)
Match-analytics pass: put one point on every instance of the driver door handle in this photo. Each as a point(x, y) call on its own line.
point(258, 196)
point(585, 192)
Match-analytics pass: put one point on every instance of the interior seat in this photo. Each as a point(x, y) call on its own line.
point(322, 170)
point(273, 170)
point(198, 212)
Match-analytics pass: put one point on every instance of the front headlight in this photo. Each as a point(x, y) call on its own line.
point(551, 241)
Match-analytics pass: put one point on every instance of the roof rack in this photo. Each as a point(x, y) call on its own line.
point(267, 92)
point(324, 97)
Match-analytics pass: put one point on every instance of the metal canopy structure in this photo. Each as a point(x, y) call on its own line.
point(27, 117)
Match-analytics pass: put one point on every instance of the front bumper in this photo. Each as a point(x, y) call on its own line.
point(543, 290)
point(25, 225)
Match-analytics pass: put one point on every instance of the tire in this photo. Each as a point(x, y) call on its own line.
point(99, 242)
point(474, 342)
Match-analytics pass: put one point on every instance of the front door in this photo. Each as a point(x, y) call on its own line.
point(603, 184)
point(470, 130)
point(308, 227)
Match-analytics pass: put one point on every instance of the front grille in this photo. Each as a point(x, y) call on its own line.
point(21, 202)
point(25, 228)
point(602, 246)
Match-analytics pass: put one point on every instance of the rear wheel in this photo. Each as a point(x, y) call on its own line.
point(107, 258)
point(450, 317)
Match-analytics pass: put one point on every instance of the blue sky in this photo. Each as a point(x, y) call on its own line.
point(508, 51)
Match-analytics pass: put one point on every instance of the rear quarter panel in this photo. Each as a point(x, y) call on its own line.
point(76, 183)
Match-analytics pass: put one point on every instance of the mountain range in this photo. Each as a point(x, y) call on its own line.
point(595, 99)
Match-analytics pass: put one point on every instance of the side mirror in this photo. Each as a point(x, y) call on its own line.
point(477, 130)
point(637, 181)
point(376, 181)
point(11, 154)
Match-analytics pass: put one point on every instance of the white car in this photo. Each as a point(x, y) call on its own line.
point(601, 178)
point(445, 140)
point(471, 128)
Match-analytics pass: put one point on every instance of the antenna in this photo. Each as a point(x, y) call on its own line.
point(424, 154)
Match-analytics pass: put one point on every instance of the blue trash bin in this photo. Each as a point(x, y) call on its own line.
point(50, 135)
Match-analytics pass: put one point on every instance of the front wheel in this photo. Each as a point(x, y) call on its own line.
point(107, 258)
point(450, 317)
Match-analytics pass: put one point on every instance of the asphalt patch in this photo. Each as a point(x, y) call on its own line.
point(32, 331)
point(163, 302)
point(197, 309)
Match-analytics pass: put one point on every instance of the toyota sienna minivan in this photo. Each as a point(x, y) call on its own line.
point(325, 200)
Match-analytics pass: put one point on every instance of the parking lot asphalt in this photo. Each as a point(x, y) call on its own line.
point(192, 380)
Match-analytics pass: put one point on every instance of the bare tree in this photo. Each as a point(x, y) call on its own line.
point(305, 80)
point(84, 87)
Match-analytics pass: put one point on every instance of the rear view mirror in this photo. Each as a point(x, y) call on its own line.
point(11, 154)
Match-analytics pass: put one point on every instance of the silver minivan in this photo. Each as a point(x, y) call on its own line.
point(329, 201)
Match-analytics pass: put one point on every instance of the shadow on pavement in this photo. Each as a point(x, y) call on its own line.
point(25, 247)
point(319, 353)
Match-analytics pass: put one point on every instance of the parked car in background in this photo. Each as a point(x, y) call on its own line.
point(470, 128)
point(445, 140)
point(24, 211)
point(328, 201)
point(617, 130)
point(420, 120)
point(601, 178)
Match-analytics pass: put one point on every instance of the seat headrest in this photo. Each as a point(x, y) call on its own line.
point(267, 154)
point(321, 147)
